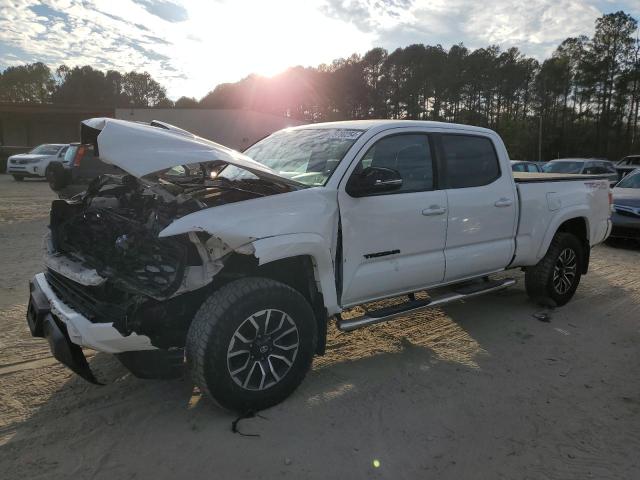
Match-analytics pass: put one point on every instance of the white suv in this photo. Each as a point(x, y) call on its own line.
point(35, 162)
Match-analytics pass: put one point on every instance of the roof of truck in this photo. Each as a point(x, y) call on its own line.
point(382, 124)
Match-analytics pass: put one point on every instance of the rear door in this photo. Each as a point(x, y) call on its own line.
point(482, 206)
point(394, 242)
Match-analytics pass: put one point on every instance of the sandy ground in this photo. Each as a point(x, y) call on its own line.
point(480, 389)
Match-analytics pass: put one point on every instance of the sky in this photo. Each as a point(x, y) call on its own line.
point(190, 46)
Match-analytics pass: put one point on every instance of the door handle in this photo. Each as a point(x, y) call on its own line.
point(434, 210)
point(504, 202)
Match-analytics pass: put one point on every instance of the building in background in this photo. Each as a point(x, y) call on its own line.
point(28, 125)
point(23, 126)
point(237, 129)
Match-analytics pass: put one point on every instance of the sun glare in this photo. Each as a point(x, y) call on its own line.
point(265, 41)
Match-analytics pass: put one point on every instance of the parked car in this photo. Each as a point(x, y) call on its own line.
point(35, 162)
point(627, 165)
point(626, 207)
point(241, 268)
point(72, 173)
point(525, 166)
point(584, 166)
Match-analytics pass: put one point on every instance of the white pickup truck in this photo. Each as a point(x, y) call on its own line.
point(237, 262)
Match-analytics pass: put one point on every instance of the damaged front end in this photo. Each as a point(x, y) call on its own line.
point(106, 259)
point(116, 280)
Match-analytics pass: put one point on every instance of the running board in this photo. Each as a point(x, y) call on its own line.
point(453, 294)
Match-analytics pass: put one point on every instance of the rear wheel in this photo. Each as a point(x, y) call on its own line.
point(56, 175)
point(18, 178)
point(554, 280)
point(251, 343)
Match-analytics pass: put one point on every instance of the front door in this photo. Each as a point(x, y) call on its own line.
point(393, 242)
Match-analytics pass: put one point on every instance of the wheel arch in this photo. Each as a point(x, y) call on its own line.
point(299, 262)
point(575, 224)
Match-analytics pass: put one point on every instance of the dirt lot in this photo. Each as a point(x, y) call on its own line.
point(476, 390)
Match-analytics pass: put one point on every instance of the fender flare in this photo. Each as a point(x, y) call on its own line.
point(270, 249)
point(564, 215)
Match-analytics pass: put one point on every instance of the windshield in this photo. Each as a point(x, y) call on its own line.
point(630, 181)
point(308, 156)
point(46, 149)
point(563, 167)
point(630, 161)
point(70, 153)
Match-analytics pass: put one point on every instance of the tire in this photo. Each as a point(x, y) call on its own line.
point(221, 331)
point(18, 178)
point(56, 176)
point(565, 257)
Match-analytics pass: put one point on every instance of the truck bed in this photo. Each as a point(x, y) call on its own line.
point(530, 177)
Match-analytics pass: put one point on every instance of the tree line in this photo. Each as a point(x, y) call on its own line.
point(37, 83)
point(582, 101)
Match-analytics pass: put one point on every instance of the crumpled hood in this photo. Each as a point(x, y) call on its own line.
point(311, 210)
point(140, 149)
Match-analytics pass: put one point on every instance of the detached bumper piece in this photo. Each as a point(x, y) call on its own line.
point(43, 323)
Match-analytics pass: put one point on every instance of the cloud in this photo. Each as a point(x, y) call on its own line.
point(535, 26)
point(192, 45)
point(169, 11)
point(82, 32)
point(367, 15)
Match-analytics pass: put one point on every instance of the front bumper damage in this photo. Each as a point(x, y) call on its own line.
point(43, 323)
point(68, 331)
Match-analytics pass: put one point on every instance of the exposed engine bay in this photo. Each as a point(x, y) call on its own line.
point(112, 229)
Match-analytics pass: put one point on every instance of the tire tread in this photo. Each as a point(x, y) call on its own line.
point(201, 337)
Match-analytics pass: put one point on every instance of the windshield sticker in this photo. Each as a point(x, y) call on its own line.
point(343, 134)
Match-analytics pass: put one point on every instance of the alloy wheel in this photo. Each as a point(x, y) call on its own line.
point(263, 349)
point(564, 271)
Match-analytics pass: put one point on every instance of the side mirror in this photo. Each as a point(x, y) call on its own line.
point(372, 181)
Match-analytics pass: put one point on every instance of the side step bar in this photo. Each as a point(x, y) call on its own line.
point(412, 306)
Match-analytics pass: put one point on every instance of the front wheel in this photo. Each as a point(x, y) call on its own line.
point(251, 343)
point(554, 280)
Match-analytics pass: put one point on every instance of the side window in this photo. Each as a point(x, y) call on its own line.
point(531, 167)
point(518, 167)
point(409, 154)
point(596, 169)
point(471, 161)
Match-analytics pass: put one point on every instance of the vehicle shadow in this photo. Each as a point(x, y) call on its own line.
point(416, 393)
point(624, 244)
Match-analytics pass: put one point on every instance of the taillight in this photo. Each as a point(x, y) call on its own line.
point(79, 155)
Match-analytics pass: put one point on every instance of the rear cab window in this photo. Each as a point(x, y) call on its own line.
point(470, 160)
